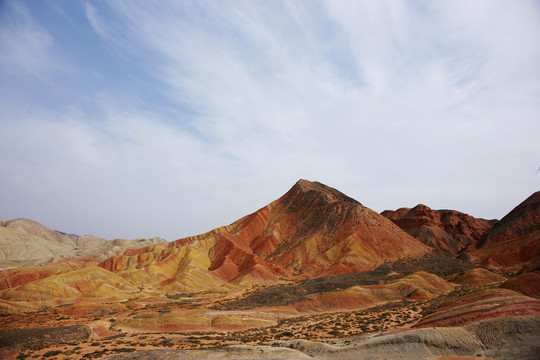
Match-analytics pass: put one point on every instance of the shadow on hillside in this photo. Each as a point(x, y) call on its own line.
point(278, 295)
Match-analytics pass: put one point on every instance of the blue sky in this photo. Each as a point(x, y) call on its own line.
point(156, 118)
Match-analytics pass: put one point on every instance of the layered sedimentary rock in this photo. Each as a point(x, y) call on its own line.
point(25, 242)
point(527, 284)
point(90, 281)
point(34, 228)
point(484, 304)
point(313, 230)
point(194, 322)
point(16, 245)
point(418, 286)
point(449, 231)
point(514, 242)
point(477, 277)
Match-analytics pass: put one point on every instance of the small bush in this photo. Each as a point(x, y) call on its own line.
point(52, 353)
point(125, 349)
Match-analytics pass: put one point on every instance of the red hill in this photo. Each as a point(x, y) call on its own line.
point(313, 230)
point(514, 242)
point(449, 231)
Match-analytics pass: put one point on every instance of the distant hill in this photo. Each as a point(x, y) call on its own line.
point(27, 242)
point(449, 231)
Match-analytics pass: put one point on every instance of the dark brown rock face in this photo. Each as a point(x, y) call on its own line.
point(523, 220)
point(449, 231)
point(514, 242)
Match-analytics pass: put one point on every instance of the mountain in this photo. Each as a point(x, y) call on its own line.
point(312, 266)
point(34, 228)
point(27, 242)
point(313, 230)
point(514, 242)
point(450, 231)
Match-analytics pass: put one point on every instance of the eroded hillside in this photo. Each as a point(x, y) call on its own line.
point(313, 274)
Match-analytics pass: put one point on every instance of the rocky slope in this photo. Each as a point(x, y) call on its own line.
point(313, 230)
point(18, 246)
point(514, 242)
point(25, 242)
point(314, 264)
point(449, 231)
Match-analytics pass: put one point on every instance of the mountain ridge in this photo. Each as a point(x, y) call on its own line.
point(314, 264)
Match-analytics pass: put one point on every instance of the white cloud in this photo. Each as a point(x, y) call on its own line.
point(428, 73)
point(394, 103)
point(25, 46)
point(98, 24)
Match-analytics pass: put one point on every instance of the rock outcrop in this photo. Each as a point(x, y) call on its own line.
point(449, 231)
point(514, 242)
point(527, 284)
point(484, 304)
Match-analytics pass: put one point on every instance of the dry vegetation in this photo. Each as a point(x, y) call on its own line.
point(337, 327)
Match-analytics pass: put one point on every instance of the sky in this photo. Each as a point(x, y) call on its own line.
point(128, 119)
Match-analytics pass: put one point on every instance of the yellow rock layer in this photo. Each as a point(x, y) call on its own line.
point(85, 282)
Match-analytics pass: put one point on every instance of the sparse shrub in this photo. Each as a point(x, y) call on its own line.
point(52, 353)
point(286, 333)
point(125, 350)
point(95, 344)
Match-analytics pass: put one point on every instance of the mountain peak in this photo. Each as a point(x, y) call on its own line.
point(330, 194)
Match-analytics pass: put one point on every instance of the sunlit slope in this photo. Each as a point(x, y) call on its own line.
point(89, 281)
point(313, 230)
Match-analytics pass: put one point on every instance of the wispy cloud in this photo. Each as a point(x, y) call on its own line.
point(98, 24)
point(25, 46)
point(394, 103)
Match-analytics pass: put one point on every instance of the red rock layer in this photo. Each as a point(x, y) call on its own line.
point(450, 231)
point(481, 305)
point(527, 284)
point(523, 220)
point(313, 230)
point(514, 242)
point(13, 277)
